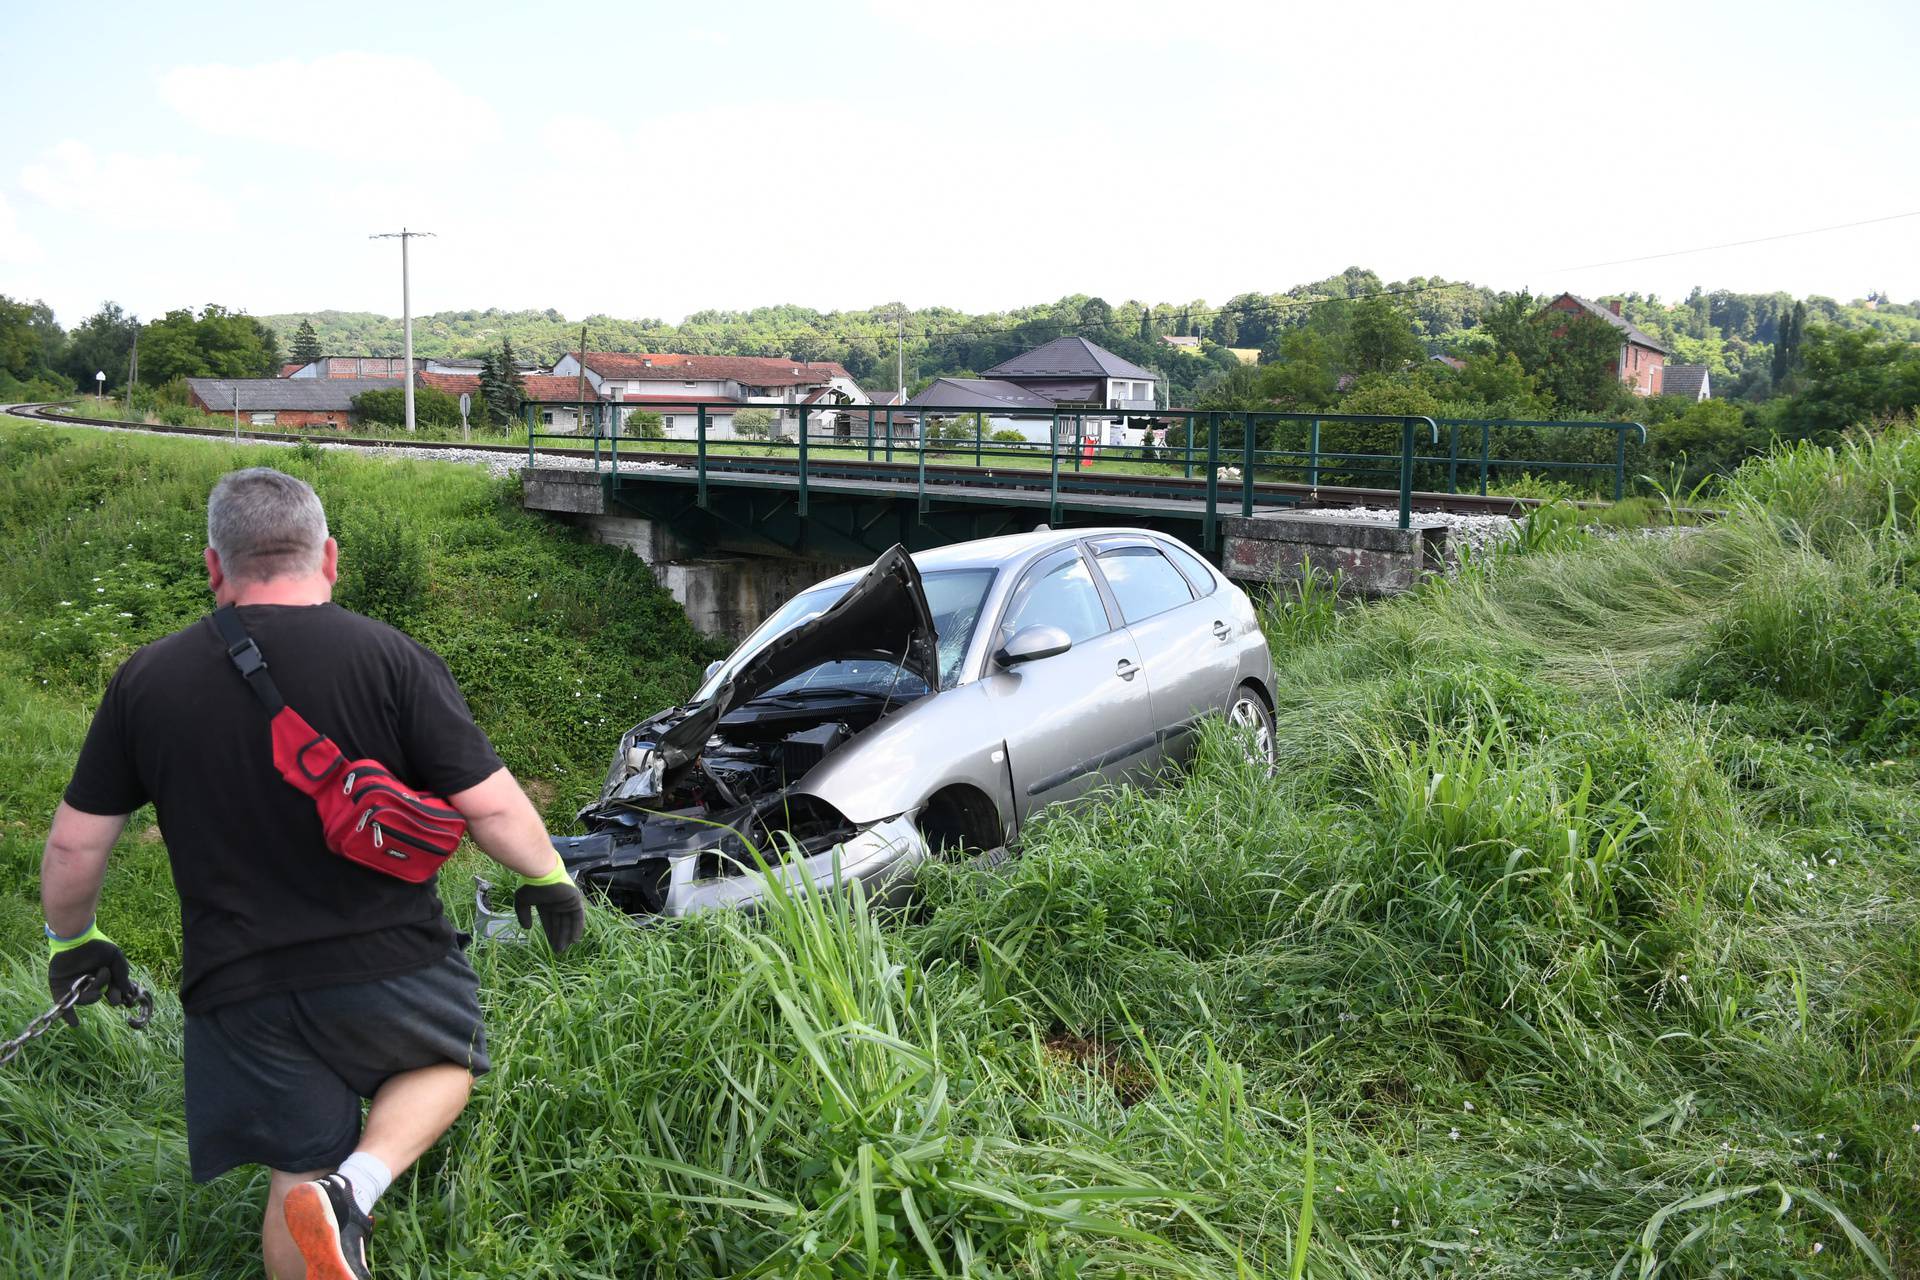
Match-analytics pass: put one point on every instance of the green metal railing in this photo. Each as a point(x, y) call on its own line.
point(863, 438)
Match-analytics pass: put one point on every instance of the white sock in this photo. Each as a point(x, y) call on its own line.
point(368, 1178)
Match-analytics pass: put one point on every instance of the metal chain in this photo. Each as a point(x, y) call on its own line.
point(47, 1021)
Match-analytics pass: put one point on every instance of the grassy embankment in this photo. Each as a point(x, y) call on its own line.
point(1575, 935)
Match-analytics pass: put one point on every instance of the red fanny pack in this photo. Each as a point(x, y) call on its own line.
point(367, 815)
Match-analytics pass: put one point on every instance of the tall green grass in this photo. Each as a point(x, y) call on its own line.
point(1575, 933)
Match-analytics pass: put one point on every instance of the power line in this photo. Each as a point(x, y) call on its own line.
point(1735, 244)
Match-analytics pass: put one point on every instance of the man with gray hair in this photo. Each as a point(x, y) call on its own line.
point(309, 982)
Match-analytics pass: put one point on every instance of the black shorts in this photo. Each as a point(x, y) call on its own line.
point(277, 1080)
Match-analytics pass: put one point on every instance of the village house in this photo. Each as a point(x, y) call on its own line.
point(548, 403)
point(1641, 355)
point(1072, 377)
point(284, 403)
point(1687, 380)
point(677, 387)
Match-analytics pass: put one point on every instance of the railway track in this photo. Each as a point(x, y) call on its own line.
point(1275, 492)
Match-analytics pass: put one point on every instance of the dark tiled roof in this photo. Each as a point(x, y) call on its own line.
point(1068, 358)
point(1084, 392)
point(969, 393)
point(268, 395)
point(884, 397)
point(1634, 332)
point(1683, 380)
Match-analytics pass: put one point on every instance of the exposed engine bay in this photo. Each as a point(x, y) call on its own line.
point(714, 782)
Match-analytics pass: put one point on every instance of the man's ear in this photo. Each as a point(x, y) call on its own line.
point(330, 561)
point(215, 578)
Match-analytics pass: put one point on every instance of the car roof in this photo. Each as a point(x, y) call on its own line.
point(994, 553)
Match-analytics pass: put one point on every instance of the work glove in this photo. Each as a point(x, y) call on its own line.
point(563, 912)
point(94, 955)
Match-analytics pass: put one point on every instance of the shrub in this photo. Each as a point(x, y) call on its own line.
point(753, 424)
point(383, 566)
point(645, 424)
point(431, 407)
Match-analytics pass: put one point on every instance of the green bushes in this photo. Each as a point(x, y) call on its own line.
point(431, 407)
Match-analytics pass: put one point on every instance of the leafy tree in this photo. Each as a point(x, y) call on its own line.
point(1849, 378)
point(103, 343)
point(1377, 337)
point(216, 343)
point(306, 343)
point(1305, 373)
point(753, 424)
point(31, 343)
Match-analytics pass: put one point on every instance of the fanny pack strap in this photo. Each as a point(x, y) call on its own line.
point(247, 658)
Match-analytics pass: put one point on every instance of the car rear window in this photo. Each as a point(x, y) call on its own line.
point(1199, 574)
point(1144, 582)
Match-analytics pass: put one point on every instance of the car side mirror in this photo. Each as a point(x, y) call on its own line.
point(1029, 644)
point(711, 668)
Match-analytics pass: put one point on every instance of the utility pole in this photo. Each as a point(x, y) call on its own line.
point(133, 368)
point(406, 307)
point(580, 389)
point(900, 351)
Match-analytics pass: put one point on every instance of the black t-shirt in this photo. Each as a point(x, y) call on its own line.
point(264, 905)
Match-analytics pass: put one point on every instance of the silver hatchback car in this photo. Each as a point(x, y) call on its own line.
point(927, 706)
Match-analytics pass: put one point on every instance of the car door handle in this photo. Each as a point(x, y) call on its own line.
point(1222, 632)
point(1127, 669)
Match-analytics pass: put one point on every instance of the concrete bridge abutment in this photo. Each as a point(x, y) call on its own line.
point(1373, 557)
point(724, 596)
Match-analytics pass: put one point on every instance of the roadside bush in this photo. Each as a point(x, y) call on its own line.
point(388, 406)
point(383, 566)
point(753, 424)
point(645, 424)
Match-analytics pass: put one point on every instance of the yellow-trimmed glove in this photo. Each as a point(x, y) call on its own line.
point(563, 911)
point(90, 954)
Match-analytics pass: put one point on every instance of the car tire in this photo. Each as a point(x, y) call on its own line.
point(1249, 711)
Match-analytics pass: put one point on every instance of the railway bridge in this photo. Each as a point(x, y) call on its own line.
point(731, 524)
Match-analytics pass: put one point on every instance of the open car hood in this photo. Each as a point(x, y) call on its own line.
point(884, 616)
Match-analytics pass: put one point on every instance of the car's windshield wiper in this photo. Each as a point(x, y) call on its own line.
point(820, 691)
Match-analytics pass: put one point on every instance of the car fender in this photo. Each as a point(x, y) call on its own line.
point(892, 767)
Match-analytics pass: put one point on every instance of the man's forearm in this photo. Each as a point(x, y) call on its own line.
point(73, 866)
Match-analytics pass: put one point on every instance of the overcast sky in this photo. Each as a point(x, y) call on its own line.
point(652, 159)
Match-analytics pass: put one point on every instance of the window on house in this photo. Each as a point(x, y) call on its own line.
point(666, 422)
point(546, 417)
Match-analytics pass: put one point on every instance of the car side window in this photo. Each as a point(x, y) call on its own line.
point(1143, 581)
point(1057, 594)
point(1198, 573)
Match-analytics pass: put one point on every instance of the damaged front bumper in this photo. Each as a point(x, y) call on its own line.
point(882, 859)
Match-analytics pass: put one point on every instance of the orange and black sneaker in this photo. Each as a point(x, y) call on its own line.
point(329, 1229)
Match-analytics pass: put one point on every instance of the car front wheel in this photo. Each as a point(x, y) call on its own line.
point(1248, 713)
